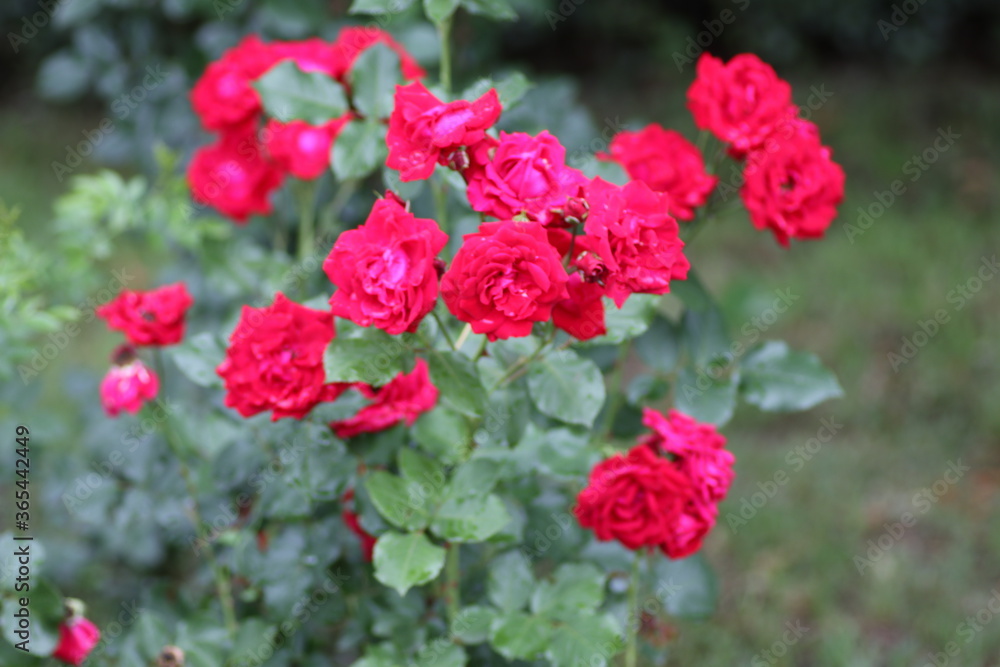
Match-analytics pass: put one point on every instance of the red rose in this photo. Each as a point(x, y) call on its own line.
point(792, 186)
point(384, 270)
point(522, 174)
point(741, 102)
point(77, 638)
point(350, 519)
point(690, 530)
point(698, 449)
point(155, 317)
point(637, 499)
point(631, 243)
point(275, 360)
point(309, 55)
point(353, 41)
point(582, 314)
point(128, 384)
point(404, 399)
point(666, 162)
point(233, 175)
point(301, 149)
point(423, 130)
point(223, 97)
point(504, 278)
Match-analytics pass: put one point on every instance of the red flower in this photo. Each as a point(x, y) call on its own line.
point(666, 162)
point(301, 149)
point(155, 317)
point(404, 399)
point(275, 360)
point(582, 314)
point(522, 174)
point(792, 185)
point(637, 499)
point(698, 449)
point(353, 41)
point(77, 638)
point(309, 55)
point(233, 176)
point(350, 518)
point(504, 278)
point(384, 270)
point(128, 384)
point(223, 97)
point(741, 102)
point(423, 130)
point(631, 243)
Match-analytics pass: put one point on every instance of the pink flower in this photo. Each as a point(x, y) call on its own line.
point(128, 384)
point(301, 149)
point(404, 399)
point(155, 317)
point(504, 278)
point(353, 41)
point(666, 162)
point(582, 314)
point(384, 270)
point(631, 244)
point(77, 638)
point(424, 131)
point(522, 174)
point(223, 97)
point(698, 449)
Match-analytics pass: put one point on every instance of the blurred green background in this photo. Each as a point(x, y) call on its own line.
point(885, 80)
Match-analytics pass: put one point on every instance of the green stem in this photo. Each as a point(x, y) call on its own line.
point(615, 389)
point(440, 190)
point(521, 363)
point(336, 206)
point(632, 648)
point(453, 582)
point(222, 586)
point(444, 329)
point(307, 219)
point(466, 330)
point(444, 34)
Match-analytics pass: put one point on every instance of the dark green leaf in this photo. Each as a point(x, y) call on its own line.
point(778, 379)
point(707, 394)
point(405, 561)
point(457, 379)
point(373, 77)
point(392, 498)
point(566, 387)
point(288, 93)
point(660, 346)
point(358, 150)
point(575, 588)
point(444, 433)
point(510, 582)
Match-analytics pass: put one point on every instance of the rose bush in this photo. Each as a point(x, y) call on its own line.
point(388, 462)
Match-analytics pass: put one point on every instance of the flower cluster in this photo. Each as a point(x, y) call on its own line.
point(237, 174)
point(664, 492)
point(154, 319)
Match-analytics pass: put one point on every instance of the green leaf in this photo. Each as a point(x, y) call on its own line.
point(590, 640)
point(472, 624)
point(470, 519)
point(778, 379)
point(408, 191)
point(660, 346)
point(45, 610)
point(510, 582)
point(288, 93)
point(439, 10)
point(559, 453)
point(392, 498)
point(576, 587)
point(457, 378)
point(631, 320)
point(359, 149)
point(254, 634)
point(379, 6)
point(518, 636)
point(499, 10)
point(373, 357)
point(197, 357)
point(567, 387)
point(705, 397)
point(685, 588)
point(474, 479)
point(443, 433)
point(373, 77)
point(405, 561)
point(510, 89)
point(424, 477)
point(441, 653)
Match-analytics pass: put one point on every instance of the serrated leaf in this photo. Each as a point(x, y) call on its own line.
point(373, 78)
point(405, 561)
point(470, 519)
point(510, 581)
point(567, 387)
point(575, 588)
point(288, 94)
point(778, 379)
point(391, 496)
point(518, 636)
point(359, 150)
